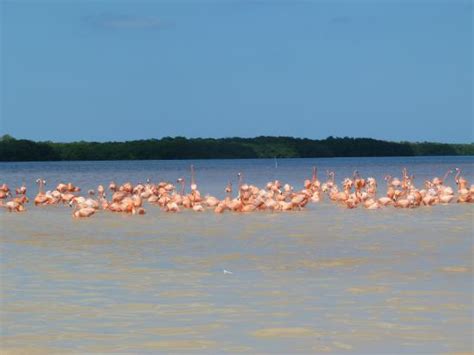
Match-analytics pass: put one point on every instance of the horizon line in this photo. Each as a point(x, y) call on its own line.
point(222, 138)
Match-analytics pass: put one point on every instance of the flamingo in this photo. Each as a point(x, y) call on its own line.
point(21, 190)
point(14, 206)
point(41, 197)
point(83, 212)
point(464, 195)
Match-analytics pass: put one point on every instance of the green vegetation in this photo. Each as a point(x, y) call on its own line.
point(12, 149)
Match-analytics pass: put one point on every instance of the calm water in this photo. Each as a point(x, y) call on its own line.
point(325, 279)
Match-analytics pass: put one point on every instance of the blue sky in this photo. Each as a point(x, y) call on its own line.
point(103, 70)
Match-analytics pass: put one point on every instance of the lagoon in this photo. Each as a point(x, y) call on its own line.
point(324, 279)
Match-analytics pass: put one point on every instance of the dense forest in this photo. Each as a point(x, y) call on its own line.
point(12, 149)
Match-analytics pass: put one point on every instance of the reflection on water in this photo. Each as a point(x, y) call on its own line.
point(322, 280)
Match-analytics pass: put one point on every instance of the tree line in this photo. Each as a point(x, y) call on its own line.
point(12, 149)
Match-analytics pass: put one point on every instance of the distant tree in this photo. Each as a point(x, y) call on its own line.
point(12, 149)
point(6, 138)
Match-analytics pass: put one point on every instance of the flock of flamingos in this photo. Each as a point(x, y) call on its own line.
point(354, 192)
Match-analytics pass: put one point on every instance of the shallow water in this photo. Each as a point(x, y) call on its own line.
point(213, 175)
point(324, 279)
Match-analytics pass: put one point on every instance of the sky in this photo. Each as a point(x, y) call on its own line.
point(122, 70)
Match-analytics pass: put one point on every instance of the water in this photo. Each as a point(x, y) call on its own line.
point(213, 175)
point(324, 279)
